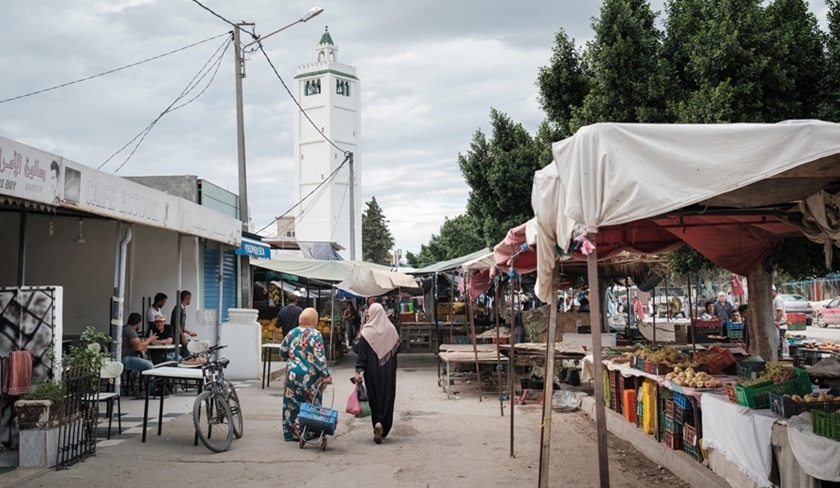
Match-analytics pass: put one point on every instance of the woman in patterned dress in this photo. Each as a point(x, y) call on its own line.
point(306, 368)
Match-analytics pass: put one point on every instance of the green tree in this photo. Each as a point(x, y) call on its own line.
point(458, 237)
point(377, 240)
point(500, 172)
point(624, 66)
point(830, 108)
point(562, 84)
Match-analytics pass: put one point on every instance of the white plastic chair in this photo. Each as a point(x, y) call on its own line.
point(109, 373)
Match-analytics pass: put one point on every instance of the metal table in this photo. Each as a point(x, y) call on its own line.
point(266, 358)
point(167, 373)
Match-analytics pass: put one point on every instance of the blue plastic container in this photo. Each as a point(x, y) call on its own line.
point(318, 418)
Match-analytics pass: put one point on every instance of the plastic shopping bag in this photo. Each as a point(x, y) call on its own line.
point(361, 394)
point(353, 406)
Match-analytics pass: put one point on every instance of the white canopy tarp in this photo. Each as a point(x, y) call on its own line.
point(610, 174)
point(314, 269)
point(367, 282)
point(481, 263)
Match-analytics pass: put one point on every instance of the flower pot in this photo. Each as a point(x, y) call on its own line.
point(38, 424)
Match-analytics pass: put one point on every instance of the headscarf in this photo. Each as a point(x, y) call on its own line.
point(380, 333)
point(308, 318)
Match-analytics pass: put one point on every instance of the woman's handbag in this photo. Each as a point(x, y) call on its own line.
point(353, 407)
point(361, 395)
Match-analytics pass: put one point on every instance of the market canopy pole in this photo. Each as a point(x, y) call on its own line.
point(548, 382)
point(595, 318)
point(499, 354)
point(512, 364)
point(472, 330)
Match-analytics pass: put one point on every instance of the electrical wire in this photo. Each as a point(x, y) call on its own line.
point(214, 13)
point(323, 183)
point(112, 71)
point(298, 104)
point(343, 199)
point(211, 65)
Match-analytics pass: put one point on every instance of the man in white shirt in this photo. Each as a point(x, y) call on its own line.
point(156, 308)
point(779, 319)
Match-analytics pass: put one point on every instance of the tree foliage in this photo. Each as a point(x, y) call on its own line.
point(458, 237)
point(562, 84)
point(377, 240)
point(500, 172)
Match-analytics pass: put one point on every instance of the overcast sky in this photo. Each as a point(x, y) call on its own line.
point(430, 72)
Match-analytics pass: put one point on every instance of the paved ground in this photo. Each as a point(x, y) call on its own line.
point(435, 442)
point(830, 333)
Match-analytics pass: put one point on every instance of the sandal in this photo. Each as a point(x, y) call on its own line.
point(377, 433)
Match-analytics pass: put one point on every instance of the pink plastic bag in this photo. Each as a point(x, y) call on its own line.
point(353, 405)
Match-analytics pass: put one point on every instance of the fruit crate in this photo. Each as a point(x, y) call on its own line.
point(730, 391)
point(785, 406)
point(639, 363)
point(735, 333)
point(318, 418)
point(693, 451)
point(706, 325)
point(672, 426)
point(659, 369)
point(683, 415)
point(682, 400)
point(750, 370)
point(629, 405)
point(673, 441)
point(716, 359)
point(689, 435)
point(796, 321)
point(826, 424)
point(669, 408)
point(758, 396)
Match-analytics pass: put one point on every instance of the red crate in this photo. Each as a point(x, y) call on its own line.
point(669, 408)
point(673, 441)
point(629, 405)
point(689, 435)
point(706, 324)
point(730, 391)
point(716, 359)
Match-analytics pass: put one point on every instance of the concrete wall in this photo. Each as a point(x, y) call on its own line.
point(86, 270)
point(183, 186)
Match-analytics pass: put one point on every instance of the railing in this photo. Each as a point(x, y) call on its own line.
point(77, 424)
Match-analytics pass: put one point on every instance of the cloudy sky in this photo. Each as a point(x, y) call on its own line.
point(430, 72)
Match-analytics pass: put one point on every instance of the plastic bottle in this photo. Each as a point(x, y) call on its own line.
point(785, 348)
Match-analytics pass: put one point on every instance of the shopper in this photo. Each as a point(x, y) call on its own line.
point(377, 363)
point(306, 370)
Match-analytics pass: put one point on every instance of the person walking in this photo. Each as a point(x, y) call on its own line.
point(306, 370)
point(351, 323)
point(377, 363)
point(287, 319)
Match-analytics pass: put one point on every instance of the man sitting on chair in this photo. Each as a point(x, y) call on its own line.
point(133, 347)
point(163, 335)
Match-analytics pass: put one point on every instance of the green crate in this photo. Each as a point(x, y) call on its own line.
point(750, 370)
point(693, 451)
point(826, 424)
point(758, 396)
point(796, 326)
point(672, 426)
point(735, 334)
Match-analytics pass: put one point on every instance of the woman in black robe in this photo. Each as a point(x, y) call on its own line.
point(377, 363)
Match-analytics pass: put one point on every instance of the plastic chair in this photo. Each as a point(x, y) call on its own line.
point(109, 374)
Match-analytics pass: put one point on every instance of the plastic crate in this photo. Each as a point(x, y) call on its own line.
point(689, 435)
point(319, 418)
point(730, 391)
point(693, 451)
point(785, 406)
point(649, 406)
point(750, 370)
point(682, 400)
point(758, 396)
point(639, 363)
point(797, 326)
point(683, 415)
point(672, 426)
point(735, 333)
point(826, 424)
point(706, 324)
point(629, 405)
point(669, 408)
point(716, 359)
point(673, 441)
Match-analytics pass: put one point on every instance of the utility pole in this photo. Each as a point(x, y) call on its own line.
point(352, 208)
point(244, 261)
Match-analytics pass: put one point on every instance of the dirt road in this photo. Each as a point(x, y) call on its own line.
point(435, 442)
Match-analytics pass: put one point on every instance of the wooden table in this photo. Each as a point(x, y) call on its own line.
point(266, 358)
point(464, 357)
point(167, 374)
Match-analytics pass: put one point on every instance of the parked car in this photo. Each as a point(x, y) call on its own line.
point(798, 304)
point(829, 314)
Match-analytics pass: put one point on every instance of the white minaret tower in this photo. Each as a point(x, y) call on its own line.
point(329, 93)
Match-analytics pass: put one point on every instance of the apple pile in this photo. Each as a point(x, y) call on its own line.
point(693, 379)
point(814, 397)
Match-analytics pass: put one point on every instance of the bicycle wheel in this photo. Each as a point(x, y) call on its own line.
point(235, 409)
point(212, 420)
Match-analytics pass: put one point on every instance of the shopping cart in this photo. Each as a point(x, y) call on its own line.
point(317, 420)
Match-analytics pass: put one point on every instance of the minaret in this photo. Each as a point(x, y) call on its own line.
point(329, 93)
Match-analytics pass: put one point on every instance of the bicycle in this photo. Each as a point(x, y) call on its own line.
point(217, 414)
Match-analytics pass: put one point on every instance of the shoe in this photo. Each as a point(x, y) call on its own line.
point(377, 433)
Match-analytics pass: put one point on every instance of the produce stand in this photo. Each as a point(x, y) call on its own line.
point(418, 337)
point(747, 446)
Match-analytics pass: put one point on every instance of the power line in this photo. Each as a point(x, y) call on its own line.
point(111, 71)
point(327, 180)
point(214, 13)
point(346, 153)
point(212, 64)
point(343, 199)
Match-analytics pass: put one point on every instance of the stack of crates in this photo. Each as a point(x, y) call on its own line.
point(649, 406)
point(685, 418)
point(673, 429)
point(616, 390)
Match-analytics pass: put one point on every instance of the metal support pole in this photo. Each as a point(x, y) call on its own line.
point(548, 378)
point(352, 208)
point(468, 294)
point(512, 367)
point(498, 353)
point(245, 285)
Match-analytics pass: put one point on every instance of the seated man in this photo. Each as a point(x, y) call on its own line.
point(708, 314)
point(133, 347)
point(163, 335)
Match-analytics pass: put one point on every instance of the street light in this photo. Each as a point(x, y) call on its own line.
point(245, 267)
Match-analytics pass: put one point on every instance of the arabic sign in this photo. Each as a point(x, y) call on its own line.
point(29, 174)
point(39, 176)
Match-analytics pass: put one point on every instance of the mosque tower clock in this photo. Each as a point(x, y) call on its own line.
point(328, 91)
